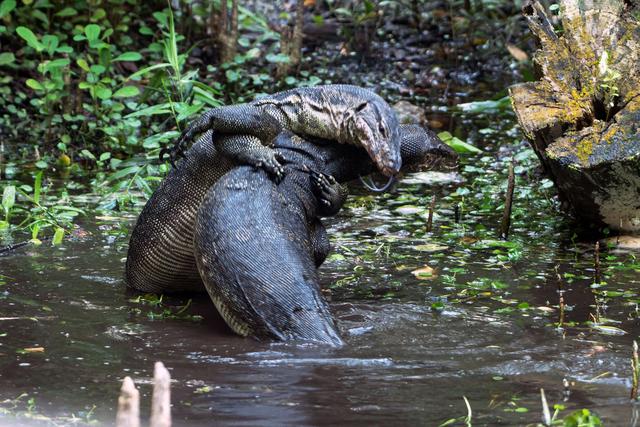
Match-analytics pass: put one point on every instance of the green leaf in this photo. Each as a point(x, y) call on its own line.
point(67, 11)
point(50, 43)
point(127, 91)
point(150, 111)
point(37, 187)
point(491, 106)
point(147, 69)
point(82, 63)
point(123, 172)
point(128, 56)
point(38, 14)
point(142, 185)
point(103, 92)
point(97, 69)
point(57, 236)
point(30, 38)
point(8, 198)
point(92, 31)
point(34, 84)
point(87, 154)
point(6, 7)
point(457, 144)
point(279, 58)
point(7, 58)
point(56, 63)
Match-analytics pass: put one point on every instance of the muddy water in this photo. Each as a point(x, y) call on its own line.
point(484, 325)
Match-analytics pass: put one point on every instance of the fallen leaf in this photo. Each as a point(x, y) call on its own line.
point(430, 247)
point(424, 273)
point(34, 350)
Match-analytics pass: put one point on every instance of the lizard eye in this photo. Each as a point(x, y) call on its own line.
point(383, 130)
point(361, 107)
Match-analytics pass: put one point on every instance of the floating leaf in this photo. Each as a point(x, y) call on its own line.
point(457, 144)
point(409, 210)
point(429, 247)
point(424, 273)
point(606, 329)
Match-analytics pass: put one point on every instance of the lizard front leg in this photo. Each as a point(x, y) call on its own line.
point(248, 150)
point(234, 119)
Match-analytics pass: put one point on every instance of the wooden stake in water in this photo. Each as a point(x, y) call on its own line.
point(128, 405)
point(508, 202)
point(430, 217)
point(635, 372)
point(161, 400)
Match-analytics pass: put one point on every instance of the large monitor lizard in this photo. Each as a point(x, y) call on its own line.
point(342, 113)
point(161, 252)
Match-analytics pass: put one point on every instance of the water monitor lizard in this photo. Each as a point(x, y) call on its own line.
point(342, 113)
point(161, 252)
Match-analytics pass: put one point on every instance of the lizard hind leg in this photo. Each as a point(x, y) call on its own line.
point(329, 193)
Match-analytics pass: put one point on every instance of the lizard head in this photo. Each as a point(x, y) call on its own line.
point(422, 149)
point(374, 127)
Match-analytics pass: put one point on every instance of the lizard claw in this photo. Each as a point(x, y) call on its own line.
point(326, 190)
point(271, 163)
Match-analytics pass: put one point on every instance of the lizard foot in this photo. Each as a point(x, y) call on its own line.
point(271, 162)
point(328, 191)
point(178, 149)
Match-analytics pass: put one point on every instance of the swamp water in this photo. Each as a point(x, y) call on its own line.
point(480, 320)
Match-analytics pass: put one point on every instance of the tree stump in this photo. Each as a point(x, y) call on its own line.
point(582, 116)
point(128, 405)
point(161, 400)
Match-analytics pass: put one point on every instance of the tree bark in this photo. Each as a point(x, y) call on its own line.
point(291, 43)
point(582, 117)
point(228, 31)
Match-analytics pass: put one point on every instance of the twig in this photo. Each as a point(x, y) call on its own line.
point(546, 414)
point(566, 390)
point(560, 299)
point(430, 217)
point(508, 202)
point(596, 261)
point(635, 372)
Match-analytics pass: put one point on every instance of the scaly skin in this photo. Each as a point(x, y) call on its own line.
point(260, 267)
point(161, 254)
point(343, 113)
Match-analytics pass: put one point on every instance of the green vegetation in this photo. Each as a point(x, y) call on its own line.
point(91, 91)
